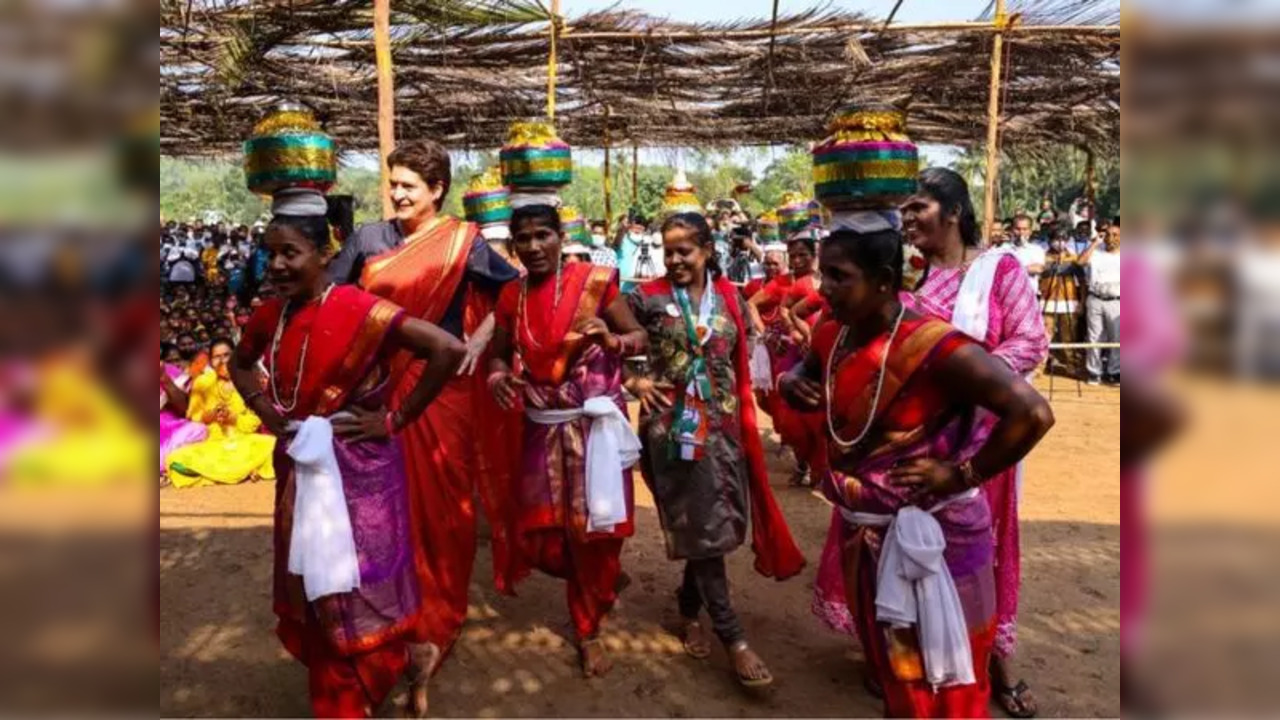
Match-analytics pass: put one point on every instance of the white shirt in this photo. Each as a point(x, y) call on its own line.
point(1104, 273)
point(1030, 254)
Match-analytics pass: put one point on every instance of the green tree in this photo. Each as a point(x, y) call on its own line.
point(1057, 173)
point(792, 172)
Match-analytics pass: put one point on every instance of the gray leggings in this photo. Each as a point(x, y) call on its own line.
point(707, 585)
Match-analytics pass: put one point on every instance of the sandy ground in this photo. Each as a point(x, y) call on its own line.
point(220, 658)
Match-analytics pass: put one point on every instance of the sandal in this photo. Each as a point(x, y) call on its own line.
point(743, 680)
point(1013, 700)
point(602, 667)
point(700, 649)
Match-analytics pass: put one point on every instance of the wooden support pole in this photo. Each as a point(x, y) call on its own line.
point(608, 179)
point(386, 99)
point(1091, 186)
point(993, 125)
point(553, 62)
point(635, 177)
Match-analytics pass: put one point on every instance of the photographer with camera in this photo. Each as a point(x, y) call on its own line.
point(639, 251)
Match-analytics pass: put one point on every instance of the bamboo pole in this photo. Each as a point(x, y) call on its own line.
point(993, 126)
point(1090, 186)
point(608, 180)
point(553, 63)
point(635, 176)
point(386, 100)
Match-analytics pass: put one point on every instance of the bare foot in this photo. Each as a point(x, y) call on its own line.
point(423, 659)
point(595, 661)
point(750, 669)
point(697, 644)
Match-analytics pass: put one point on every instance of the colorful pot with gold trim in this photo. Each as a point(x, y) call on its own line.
point(867, 162)
point(289, 149)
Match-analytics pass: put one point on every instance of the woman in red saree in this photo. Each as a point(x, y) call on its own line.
point(327, 350)
point(442, 270)
point(702, 456)
point(898, 392)
point(802, 432)
point(561, 335)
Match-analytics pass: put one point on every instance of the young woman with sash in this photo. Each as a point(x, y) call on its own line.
point(702, 456)
point(442, 270)
point(802, 432)
point(562, 333)
point(899, 392)
point(346, 600)
point(989, 296)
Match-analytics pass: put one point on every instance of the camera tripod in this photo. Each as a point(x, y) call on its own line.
point(645, 267)
point(1054, 294)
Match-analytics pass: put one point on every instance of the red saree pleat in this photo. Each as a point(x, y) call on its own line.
point(455, 449)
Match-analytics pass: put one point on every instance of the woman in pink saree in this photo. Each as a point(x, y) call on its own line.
point(910, 552)
point(989, 296)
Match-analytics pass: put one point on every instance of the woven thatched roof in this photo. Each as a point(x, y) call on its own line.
point(466, 70)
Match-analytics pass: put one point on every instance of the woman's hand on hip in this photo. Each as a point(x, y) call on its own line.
point(362, 425)
point(927, 479)
point(506, 389)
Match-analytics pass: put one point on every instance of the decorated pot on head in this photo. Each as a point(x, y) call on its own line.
point(573, 226)
point(487, 203)
point(867, 162)
point(680, 197)
point(865, 168)
point(768, 227)
point(793, 214)
point(289, 150)
point(535, 164)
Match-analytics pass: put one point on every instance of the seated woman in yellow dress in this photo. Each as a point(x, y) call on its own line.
point(235, 450)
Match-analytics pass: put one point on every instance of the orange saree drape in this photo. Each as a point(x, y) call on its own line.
point(456, 449)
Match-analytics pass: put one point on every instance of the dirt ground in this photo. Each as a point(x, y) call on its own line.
point(220, 658)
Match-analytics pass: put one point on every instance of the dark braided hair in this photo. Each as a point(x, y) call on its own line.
point(702, 233)
point(872, 252)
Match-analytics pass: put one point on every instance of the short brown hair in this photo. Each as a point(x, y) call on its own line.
point(427, 158)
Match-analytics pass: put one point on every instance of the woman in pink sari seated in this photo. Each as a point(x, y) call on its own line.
point(327, 350)
point(561, 334)
point(899, 392)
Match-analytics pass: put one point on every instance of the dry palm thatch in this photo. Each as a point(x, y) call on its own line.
point(466, 69)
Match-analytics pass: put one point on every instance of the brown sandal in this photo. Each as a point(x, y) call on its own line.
point(692, 648)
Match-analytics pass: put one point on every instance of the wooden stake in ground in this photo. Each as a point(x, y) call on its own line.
point(993, 125)
point(386, 99)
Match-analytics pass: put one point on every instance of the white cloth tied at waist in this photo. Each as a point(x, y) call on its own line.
point(612, 446)
point(914, 587)
point(322, 547)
